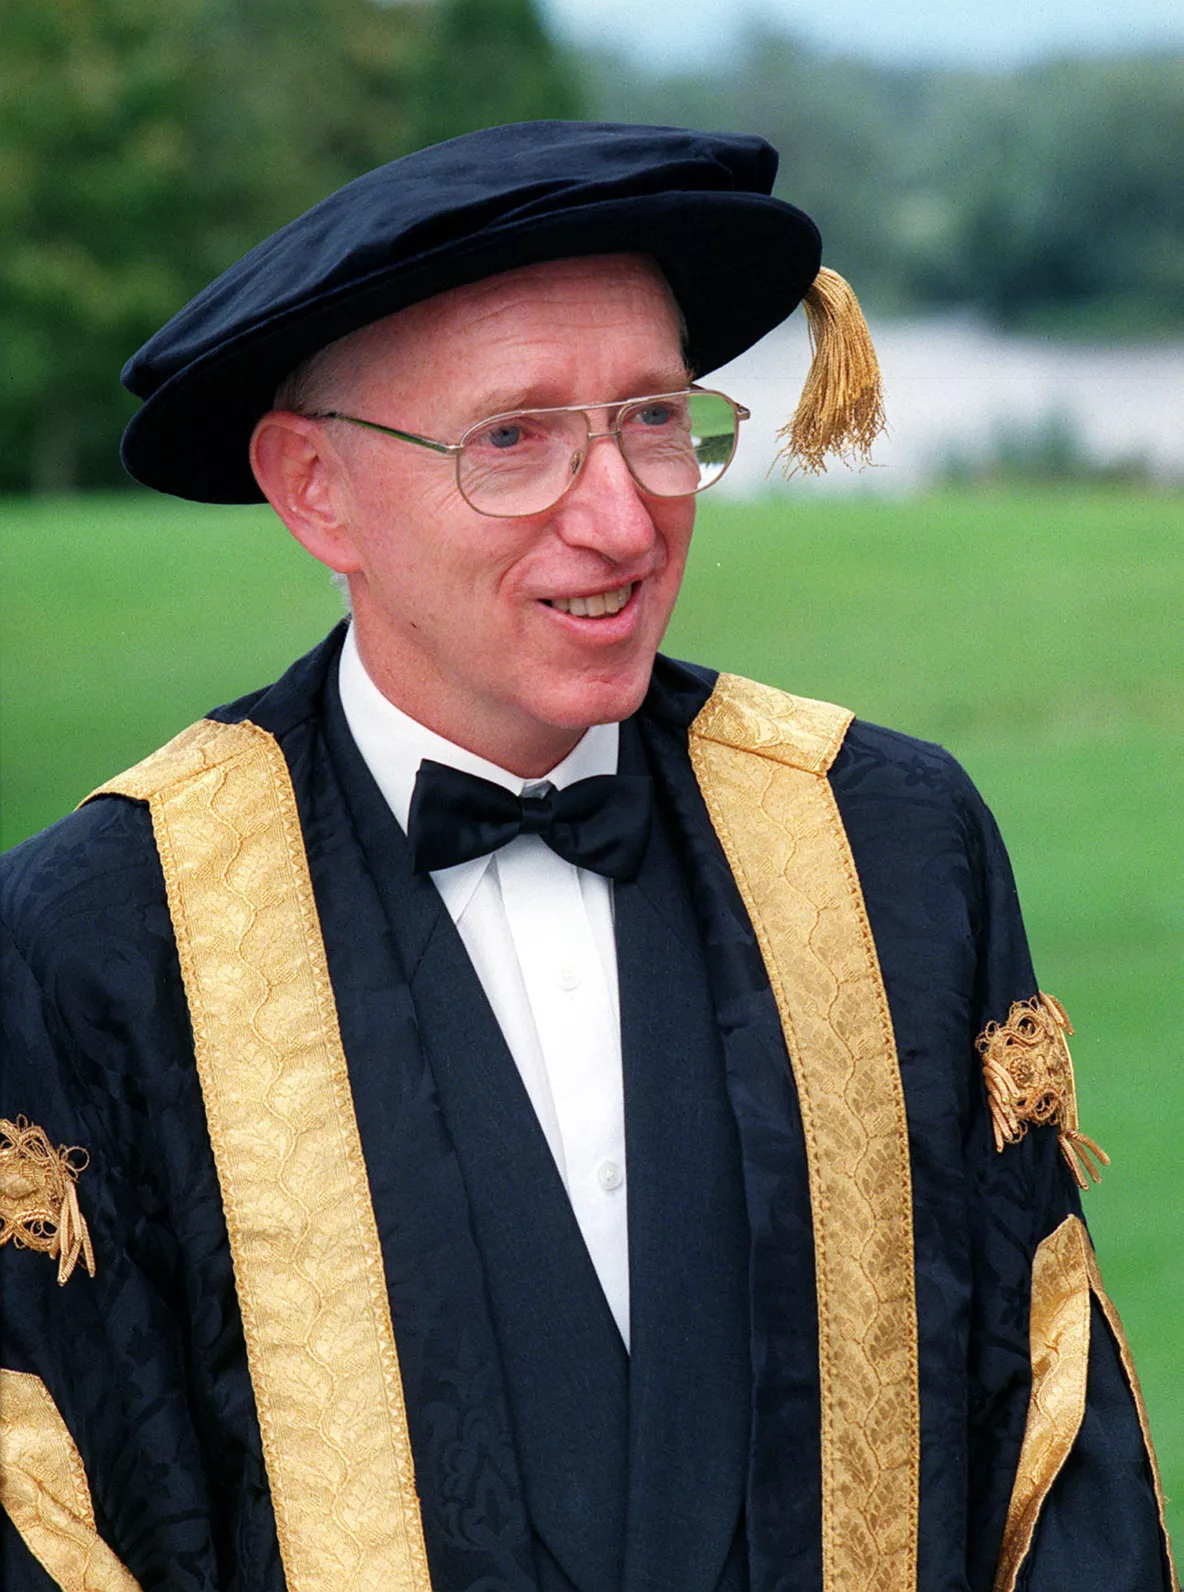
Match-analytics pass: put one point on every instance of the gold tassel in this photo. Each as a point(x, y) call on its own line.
point(841, 410)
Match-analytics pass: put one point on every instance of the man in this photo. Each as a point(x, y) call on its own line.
point(509, 1111)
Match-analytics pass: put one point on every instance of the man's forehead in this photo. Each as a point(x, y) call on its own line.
point(602, 285)
point(460, 331)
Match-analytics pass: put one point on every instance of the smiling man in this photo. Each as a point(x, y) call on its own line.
point(513, 592)
point(501, 1109)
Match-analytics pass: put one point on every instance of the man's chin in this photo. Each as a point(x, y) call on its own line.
point(599, 701)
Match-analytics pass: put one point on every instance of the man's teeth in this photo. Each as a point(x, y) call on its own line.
point(607, 602)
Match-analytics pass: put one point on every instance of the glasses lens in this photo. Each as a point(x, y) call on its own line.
point(521, 464)
point(679, 444)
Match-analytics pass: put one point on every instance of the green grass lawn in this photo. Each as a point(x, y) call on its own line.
point(1036, 635)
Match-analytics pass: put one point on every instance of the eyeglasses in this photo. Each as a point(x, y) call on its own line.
point(674, 444)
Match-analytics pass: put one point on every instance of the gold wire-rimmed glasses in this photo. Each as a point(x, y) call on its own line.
point(674, 444)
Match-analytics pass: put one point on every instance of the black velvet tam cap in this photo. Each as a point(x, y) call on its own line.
point(737, 260)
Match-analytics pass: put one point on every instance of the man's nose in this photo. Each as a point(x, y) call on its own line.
point(605, 509)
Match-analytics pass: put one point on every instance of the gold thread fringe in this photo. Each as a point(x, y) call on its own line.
point(1029, 1076)
point(38, 1201)
point(841, 410)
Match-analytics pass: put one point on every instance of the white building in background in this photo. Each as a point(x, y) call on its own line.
point(955, 388)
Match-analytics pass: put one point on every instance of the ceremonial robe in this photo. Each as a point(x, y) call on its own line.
point(836, 1328)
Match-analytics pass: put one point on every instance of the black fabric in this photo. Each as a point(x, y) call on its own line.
point(146, 1361)
point(737, 259)
point(554, 1352)
point(601, 823)
point(688, 1239)
point(633, 1469)
point(1081, 1542)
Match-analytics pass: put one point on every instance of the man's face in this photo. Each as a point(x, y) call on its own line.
point(456, 611)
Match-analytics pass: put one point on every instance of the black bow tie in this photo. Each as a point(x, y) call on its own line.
point(602, 823)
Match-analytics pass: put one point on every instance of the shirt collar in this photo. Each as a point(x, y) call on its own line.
point(393, 745)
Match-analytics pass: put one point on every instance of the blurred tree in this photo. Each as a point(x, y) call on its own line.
point(1059, 195)
point(1047, 196)
point(491, 61)
point(839, 126)
point(144, 147)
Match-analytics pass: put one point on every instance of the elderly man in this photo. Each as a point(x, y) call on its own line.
point(509, 1110)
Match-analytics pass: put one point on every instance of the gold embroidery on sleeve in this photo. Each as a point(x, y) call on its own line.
point(307, 1260)
point(761, 759)
point(38, 1198)
point(1058, 1335)
point(43, 1487)
point(1029, 1077)
point(1064, 1275)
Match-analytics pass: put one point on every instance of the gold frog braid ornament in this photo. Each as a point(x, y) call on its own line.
point(1029, 1078)
point(38, 1199)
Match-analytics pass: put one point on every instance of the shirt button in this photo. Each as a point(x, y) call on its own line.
point(609, 1176)
point(569, 976)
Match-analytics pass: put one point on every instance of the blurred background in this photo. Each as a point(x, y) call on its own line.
point(1005, 193)
point(1002, 186)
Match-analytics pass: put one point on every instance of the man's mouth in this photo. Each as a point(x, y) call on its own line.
point(594, 607)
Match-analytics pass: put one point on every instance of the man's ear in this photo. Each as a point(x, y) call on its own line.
point(299, 471)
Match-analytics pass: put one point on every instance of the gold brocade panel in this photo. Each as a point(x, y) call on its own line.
point(43, 1487)
point(1065, 1276)
point(761, 759)
point(307, 1261)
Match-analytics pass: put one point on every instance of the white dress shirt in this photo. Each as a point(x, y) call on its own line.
point(539, 932)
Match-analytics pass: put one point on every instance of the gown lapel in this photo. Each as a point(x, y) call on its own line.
point(783, 1504)
point(688, 1238)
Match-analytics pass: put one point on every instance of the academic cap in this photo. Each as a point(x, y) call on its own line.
point(737, 260)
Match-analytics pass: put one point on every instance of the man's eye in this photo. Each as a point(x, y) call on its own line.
point(654, 415)
point(507, 435)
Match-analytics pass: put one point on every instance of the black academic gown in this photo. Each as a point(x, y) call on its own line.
point(545, 1456)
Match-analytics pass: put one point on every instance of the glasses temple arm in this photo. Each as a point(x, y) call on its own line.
point(388, 431)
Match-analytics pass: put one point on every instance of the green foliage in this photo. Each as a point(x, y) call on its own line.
point(1060, 188)
point(491, 62)
point(1034, 633)
point(1047, 196)
point(143, 148)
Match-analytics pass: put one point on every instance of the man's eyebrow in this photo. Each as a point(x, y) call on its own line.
point(510, 400)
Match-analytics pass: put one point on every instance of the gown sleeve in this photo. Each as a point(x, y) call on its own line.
point(1086, 1506)
point(58, 1364)
point(131, 1444)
